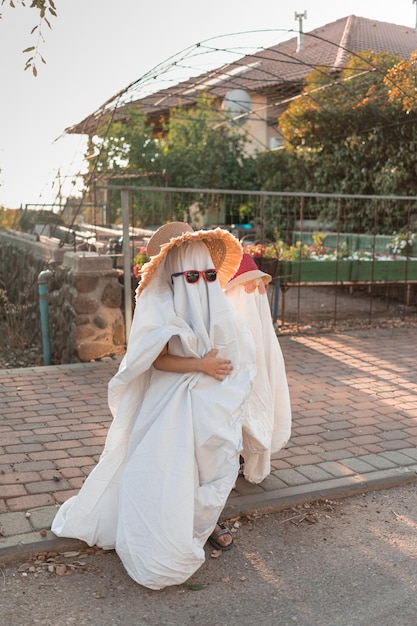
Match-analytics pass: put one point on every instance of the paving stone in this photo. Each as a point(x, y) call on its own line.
point(272, 482)
point(399, 458)
point(337, 470)
point(378, 461)
point(314, 473)
point(392, 445)
point(336, 435)
point(243, 487)
point(411, 452)
point(343, 425)
point(291, 477)
point(42, 517)
point(358, 466)
point(14, 524)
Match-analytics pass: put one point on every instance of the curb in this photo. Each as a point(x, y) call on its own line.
point(35, 534)
point(336, 488)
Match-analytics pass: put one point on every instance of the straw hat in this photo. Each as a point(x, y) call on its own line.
point(248, 270)
point(224, 248)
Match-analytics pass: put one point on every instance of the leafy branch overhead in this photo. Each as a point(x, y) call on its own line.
point(46, 9)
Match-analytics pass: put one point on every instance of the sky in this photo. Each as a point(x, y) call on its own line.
point(98, 47)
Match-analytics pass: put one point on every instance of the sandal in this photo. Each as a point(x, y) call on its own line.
point(218, 533)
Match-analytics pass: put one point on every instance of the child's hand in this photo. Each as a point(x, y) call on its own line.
point(217, 368)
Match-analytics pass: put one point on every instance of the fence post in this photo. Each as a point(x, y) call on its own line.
point(126, 263)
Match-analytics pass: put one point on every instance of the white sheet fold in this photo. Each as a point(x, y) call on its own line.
point(171, 456)
point(267, 421)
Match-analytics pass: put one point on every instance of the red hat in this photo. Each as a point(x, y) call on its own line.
point(248, 270)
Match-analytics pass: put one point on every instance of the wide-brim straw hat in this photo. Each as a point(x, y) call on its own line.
point(224, 248)
point(248, 270)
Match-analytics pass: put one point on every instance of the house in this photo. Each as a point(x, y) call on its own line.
point(256, 88)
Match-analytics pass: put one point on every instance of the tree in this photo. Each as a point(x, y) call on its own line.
point(201, 148)
point(401, 81)
point(45, 9)
point(8, 218)
point(196, 148)
point(350, 135)
point(123, 149)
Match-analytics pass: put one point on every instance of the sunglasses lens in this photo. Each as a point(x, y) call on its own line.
point(192, 277)
point(210, 275)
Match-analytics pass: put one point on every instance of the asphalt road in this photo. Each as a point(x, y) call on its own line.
point(348, 562)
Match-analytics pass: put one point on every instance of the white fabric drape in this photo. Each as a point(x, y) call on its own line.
point(172, 452)
point(267, 424)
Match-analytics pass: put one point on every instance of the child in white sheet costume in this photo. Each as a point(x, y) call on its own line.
point(171, 456)
point(267, 424)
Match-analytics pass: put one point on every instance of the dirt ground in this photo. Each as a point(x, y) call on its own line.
point(12, 357)
point(327, 563)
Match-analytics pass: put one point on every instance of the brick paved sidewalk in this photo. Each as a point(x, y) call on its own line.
point(354, 400)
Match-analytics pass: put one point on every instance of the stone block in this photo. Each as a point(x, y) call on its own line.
point(81, 320)
point(91, 350)
point(87, 262)
point(84, 283)
point(100, 321)
point(112, 295)
point(83, 332)
point(119, 334)
point(84, 304)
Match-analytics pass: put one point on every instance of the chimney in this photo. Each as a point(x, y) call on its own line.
point(300, 38)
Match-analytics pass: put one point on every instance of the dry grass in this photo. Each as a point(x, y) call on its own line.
point(19, 346)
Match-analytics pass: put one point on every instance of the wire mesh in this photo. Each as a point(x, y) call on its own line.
point(365, 283)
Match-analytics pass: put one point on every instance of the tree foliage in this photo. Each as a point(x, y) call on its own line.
point(401, 81)
point(8, 218)
point(124, 146)
point(196, 149)
point(45, 9)
point(339, 107)
point(201, 149)
point(354, 133)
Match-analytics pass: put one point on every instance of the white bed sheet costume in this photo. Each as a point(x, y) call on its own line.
point(267, 421)
point(171, 455)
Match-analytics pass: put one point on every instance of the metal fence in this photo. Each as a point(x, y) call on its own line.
point(368, 281)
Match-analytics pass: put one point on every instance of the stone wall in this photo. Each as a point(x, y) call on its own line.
point(84, 300)
point(21, 260)
point(91, 298)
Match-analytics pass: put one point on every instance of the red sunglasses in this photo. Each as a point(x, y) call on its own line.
point(192, 276)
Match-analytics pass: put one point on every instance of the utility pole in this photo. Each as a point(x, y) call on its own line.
point(415, 2)
point(300, 17)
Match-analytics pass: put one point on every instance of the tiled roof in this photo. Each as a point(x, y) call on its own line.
point(280, 68)
point(365, 34)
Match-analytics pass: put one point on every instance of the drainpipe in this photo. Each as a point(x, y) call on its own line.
point(43, 306)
